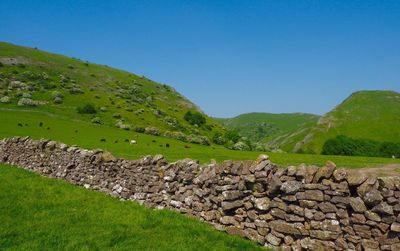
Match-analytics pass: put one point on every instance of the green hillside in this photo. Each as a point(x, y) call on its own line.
point(277, 130)
point(91, 136)
point(373, 115)
point(37, 80)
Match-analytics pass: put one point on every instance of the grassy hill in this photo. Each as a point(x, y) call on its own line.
point(277, 130)
point(373, 115)
point(39, 213)
point(88, 135)
point(37, 80)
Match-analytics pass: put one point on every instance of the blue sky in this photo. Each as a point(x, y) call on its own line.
point(229, 57)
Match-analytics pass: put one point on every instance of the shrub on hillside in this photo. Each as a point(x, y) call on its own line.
point(27, 102)
point(123, 126)
point(58, 100)
point(57, 94)
point(389, 149)
point(86, 109)
point(198, 139)
point(232, 135)
point(218, 138)
point(152, 131)
point(241, 146)
point(117, 115)
point(96, 120)
point(176, 135)
point(139, 129)
point(75, 90)
point(195, 118)
point(343, 145)
point(5, 100)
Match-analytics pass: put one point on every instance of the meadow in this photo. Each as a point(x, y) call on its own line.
point(19, 122)
point(39, 213)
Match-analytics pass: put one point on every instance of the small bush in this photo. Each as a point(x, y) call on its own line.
point(58, 100)
point(57, 94)
point(75, 90)
point(232, 135)
point(176, 135)
point(152, 131)
point(96, 120)
point(218, 138)
point(123, 126)
point(27, 102)
point(86, 109)
point(198, 139)
point(241, 146)
point(5, 100)
point(139, 129)
point(26, 95)
point(195, 118)
point(117, 115)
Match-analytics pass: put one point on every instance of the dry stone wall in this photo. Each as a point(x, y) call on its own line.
point(298, 208)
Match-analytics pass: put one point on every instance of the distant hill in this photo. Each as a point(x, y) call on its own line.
point(277, 130)
point(37, 80)
point(373, 115)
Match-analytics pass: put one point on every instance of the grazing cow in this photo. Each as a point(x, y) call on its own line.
point(133, 142)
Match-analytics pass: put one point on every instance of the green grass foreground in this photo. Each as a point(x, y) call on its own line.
point(39, 213)
point(88, 135)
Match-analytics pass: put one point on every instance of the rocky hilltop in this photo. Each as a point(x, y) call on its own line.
point(297, 208)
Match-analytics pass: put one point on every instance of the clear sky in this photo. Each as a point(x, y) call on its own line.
point(229, 57)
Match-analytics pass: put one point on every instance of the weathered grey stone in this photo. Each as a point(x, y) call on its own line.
point(383, 208)
point(327, 207)
point(373, 197)
point(372, 216)
point(272, 239)
point(284, 227)
point(291, 187)
point(227, 205)
point(324, 172)
point(313, 195)
point(356, 178)
point(395, 227)
point(324, 235)
point(340, 175)
point(232, 195)
point(262, 203)
point(358, 205)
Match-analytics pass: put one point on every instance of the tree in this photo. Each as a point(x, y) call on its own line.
point(195, 118)
point(232, 135)
point(86, 109)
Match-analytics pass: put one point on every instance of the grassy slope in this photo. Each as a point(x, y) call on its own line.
point(366, 114)
point(118, 91)
point(277, 129)
point(88, 135)
point(39, 213)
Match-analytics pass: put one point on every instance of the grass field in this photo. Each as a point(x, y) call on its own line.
point(39, 213)
point(88, 135)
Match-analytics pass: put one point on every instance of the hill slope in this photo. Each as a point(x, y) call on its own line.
point(34, 79)
point(277, 130)
point(371, 115)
